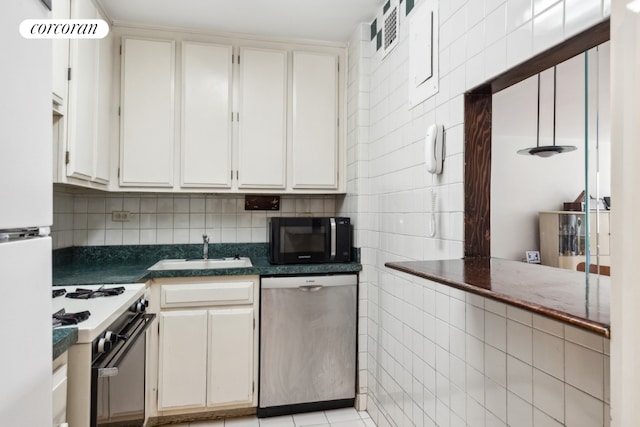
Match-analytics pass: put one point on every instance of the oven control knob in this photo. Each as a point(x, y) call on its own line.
point(104, 345)
point(111, 337)
point(141, 305)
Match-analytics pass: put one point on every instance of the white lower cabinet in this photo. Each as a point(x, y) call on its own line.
point(59, 390)
point(206, 345)
point(230, 375)
point(182, 380)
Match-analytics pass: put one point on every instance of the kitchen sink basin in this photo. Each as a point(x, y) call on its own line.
point(201, 264)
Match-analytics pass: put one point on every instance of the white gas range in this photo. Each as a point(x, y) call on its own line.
point(104, 310)
point(106, 365)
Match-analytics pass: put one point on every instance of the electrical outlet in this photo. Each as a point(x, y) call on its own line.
point(120, 216)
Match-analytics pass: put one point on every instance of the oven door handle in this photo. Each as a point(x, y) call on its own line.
point(111, 368)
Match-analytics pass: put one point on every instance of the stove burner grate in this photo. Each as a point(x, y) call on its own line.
point(62, 318)
point(81, 293)
point(58, 292)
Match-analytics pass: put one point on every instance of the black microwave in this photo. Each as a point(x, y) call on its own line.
point(295, 240)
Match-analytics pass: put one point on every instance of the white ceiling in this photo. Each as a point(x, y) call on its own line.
point(328, 20)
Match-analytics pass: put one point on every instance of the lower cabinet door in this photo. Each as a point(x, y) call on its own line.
point(182, 380)
point(230, 379)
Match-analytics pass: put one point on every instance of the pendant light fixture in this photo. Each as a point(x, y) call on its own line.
point(547, 150)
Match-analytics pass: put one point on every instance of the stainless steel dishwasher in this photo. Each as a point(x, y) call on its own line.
point(307, 343)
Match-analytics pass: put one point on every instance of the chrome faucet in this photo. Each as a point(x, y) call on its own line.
point(205, 247)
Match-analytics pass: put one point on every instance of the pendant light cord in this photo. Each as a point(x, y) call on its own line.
point(554, 105)
point(538, 127)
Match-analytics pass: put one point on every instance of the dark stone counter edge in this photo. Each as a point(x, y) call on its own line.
point(259, 270)
point(111, 275)
point(63, 339)
point(595, 327)
point(87, 265)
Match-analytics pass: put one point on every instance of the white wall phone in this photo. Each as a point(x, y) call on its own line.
point(434, 148)
point(434, 159)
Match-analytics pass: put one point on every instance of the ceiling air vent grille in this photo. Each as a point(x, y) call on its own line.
point(385, 29)
point(391, 26)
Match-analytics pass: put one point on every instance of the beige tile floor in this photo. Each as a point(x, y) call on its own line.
point(346, 417)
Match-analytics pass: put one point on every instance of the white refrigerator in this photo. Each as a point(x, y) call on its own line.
point(25, 202)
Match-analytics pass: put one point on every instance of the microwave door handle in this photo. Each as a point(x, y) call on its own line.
point(332, 221)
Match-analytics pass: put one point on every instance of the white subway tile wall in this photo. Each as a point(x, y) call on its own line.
point(428, 361)
point(356, 203)
point(86, 219)
point(470, 369)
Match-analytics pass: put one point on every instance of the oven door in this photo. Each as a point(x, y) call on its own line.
point(117, 380)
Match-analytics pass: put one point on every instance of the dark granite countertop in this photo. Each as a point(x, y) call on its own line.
point(93, 265)
point(564, 295)
point(63, 339)
point(128, 264)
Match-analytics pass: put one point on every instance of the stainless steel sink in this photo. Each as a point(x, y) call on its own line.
point(201, 264)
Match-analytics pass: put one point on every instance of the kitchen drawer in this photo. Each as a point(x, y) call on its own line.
point(206, 294)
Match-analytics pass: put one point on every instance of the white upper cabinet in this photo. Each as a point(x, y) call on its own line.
point(105, 110)
point(214, 114)
point(262, 133)
point(147, 116)
point(61, 9)
point(206, 115)
point(314, 144)
point(88, 112)
point(83, 102)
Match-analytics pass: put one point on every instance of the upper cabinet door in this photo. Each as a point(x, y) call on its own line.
point(105, 110)
point(61, 9)
point(206, 115)
point(83, 97)
point(147, 116)
point(262, 119)
point(315, 121)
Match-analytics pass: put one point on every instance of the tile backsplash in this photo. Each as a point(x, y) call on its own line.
point(86, 219)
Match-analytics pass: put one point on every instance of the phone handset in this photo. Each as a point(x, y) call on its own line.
point(434, 159)
point(434, 148)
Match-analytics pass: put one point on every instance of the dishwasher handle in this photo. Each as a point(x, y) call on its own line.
point(309, 283)
point(310, 288)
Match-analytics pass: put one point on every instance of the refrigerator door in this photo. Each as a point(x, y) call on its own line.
point(25, 115)
point(25, 286)
point(25, 201)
